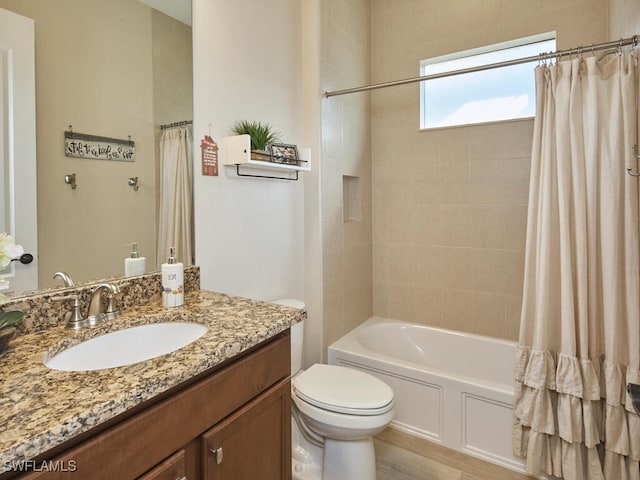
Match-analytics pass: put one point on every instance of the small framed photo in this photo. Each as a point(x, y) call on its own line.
point(282, 153)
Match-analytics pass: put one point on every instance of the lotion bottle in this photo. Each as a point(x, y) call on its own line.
point(135, 264)
point(172, 281)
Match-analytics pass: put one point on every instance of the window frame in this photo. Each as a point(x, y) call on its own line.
point(496, 47)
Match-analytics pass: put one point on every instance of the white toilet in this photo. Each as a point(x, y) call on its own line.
point(335, 413)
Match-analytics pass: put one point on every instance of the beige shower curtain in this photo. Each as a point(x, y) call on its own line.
point(580, 324)
point(175, 226)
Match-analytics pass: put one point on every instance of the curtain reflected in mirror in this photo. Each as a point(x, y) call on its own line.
point(176, 195)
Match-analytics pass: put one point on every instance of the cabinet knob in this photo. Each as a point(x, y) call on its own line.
point(217, 452)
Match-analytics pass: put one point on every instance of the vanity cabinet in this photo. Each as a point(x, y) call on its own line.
point(241, 408)
point(252, 443)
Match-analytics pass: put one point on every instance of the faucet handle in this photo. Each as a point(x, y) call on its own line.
point(112, 310)
point(73, 318)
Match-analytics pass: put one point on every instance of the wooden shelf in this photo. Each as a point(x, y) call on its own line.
point(236, 152)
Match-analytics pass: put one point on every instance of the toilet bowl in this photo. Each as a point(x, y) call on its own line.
point(346, 407)
point(336, 411)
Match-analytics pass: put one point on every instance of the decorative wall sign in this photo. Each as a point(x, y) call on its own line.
point(81, 145)
point(209, 156)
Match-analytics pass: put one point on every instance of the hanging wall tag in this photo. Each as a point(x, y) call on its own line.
point(209, 156)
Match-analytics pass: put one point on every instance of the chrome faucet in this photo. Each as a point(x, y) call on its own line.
point(103, 302)
point(68, 282)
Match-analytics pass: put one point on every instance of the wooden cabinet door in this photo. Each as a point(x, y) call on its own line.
point(254, 442)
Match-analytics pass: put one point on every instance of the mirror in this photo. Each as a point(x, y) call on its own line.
point(117, 69)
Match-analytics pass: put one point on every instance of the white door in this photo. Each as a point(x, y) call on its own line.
point(18, 209)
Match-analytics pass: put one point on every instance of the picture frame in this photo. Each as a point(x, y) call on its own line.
point(284, 153)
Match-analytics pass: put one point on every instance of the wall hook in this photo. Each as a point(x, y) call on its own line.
point(133, 182)
point(635, 154)
point(71, 180)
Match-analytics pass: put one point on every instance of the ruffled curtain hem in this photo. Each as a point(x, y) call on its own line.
point(574, 417)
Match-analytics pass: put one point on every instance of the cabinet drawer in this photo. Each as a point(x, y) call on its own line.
point(173, 468)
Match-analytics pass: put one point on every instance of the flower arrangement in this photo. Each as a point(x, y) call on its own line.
point(8, 251)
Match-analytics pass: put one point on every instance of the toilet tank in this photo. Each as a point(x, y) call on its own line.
point(297, 334)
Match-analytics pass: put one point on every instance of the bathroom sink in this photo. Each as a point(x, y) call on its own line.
point(127, 346)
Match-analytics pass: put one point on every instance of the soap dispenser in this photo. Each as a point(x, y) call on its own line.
point(135, 264)
point(172, 281)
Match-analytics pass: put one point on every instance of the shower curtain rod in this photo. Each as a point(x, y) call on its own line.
point(541, 57)
point(176, 124)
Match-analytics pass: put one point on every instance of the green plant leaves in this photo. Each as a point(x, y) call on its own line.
point(262, 134)
point(9, 318)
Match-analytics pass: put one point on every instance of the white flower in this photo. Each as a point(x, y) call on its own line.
point(8, 249)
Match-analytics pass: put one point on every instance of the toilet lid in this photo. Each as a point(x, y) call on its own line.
point(343, 390)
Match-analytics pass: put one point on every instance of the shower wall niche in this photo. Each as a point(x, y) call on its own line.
point(351, 199)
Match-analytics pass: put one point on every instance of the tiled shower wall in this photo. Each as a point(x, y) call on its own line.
point(346, 150)
point(449, 205)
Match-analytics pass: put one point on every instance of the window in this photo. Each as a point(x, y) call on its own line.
point(486, 96)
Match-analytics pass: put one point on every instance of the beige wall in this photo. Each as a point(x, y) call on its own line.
point(346, 150)
point(259, 237)
point(172, 93)
point(624, 18)
point(311, 101)
point(250, 236)
point(94, 70)
point(450, 204)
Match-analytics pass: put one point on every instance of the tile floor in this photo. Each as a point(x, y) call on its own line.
point(404, 457)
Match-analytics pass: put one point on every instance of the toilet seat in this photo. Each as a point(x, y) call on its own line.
point(341, 426)
point(343, 390)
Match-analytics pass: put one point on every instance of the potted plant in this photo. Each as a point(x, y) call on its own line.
point(262, 135)
point(8, 251)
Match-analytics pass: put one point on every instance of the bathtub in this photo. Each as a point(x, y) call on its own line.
point(452, 388)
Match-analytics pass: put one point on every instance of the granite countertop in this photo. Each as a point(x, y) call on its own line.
point(42, 408)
